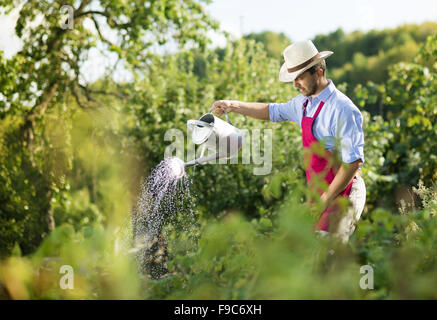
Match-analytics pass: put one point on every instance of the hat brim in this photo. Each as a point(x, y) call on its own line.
point(286, 76)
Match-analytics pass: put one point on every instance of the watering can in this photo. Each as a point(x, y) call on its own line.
point(221, 138)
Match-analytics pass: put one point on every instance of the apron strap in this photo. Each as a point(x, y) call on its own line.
point(304, 108)
point(318, 109)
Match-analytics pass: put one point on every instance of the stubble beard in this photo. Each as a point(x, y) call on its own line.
point(312, 88)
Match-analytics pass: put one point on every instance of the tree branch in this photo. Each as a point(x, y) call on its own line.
point(111, 22)
point(91, 12)
point(96, 24)
point(76, 96)
point(59, 31)
point(41, 106)
point(87, 92)
point(111, 93)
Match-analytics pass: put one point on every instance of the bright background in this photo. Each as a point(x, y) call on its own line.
point(304, 19)
point(298, 19)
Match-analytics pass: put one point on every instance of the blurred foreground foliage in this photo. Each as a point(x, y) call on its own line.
point(237, 259)
point(72, 158)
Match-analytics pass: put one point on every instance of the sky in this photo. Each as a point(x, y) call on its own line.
point(299, 20)
point(302, 20)
point(9, 43)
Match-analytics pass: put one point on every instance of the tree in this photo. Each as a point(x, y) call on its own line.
point(360, 57)
point(273, 42)
point(411, 94)
point(47, 72)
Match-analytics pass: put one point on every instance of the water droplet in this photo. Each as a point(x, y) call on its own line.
point(165, 203)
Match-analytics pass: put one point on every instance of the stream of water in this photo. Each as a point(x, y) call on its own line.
point(164, 205)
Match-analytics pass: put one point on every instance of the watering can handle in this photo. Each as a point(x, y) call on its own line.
point(227, 117)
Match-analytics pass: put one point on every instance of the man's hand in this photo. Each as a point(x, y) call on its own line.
point(343, 177)
point(228, 105)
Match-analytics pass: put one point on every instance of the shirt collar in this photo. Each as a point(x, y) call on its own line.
point(324, 95)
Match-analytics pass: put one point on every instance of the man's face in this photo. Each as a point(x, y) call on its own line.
point(306, 83)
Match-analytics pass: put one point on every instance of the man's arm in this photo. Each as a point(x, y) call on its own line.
point(255, 110)
point(348, 129)
point(343, 177)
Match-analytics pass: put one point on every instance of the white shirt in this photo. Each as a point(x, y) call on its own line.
point(339, 119)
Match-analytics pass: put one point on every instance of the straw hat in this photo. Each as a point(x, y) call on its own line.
point(299, 57)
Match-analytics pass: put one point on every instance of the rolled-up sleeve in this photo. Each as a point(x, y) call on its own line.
point(283, 111)
point(349, 128)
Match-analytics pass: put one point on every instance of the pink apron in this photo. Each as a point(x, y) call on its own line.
point(318, 164)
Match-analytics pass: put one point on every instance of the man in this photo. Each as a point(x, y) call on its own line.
point(326, 116)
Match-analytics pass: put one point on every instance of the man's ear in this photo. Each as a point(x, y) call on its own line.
point(320, 72)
